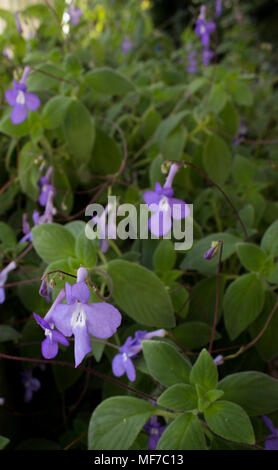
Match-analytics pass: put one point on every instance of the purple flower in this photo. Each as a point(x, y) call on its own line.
point(164, 206)
point(26, 229)
point(3, 278)
point(31, 385)
point(17, 22)
point(212, 251)
point(75, 14)
point(126, 45)
point(155, 430)
point(122, 363)
point(218, 360)
point(50, 343)
point(207, 55)
point(21, 100)
point(271, 442)
point(2, 401)
point(204, 28)
point(218, 8)
point(242, 131)
point(79, 318)
point(106, 229)
point(45, 187)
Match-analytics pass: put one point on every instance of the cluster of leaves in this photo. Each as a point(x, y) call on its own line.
point(107, 122)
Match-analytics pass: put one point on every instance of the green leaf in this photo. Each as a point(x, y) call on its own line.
point(193, 335)
point(79, 132)
point(195, 257)
point(164, 257)
point(267, 345)
point(116, 422)
point(157, 354)
point(251, 256)
point(106, 157)
point(204, 311)
point(7, 236)
point(14, 130)
point(217, 98)
point(28, 171)
point(173, 144)
point(217, 159)
point(75, 227)
point(53, 242)
point(180, 397)
point(243, 302)
point(269, 241)
point(204, 371)
point(242, 170)
point(54, 111)
point(256, 392)
point(7, 333)
point(109, 81)
point(86, 251)
point(184, 433)
point(4, 441)
point(167, 126)
point(242, 94)
point(230, 119)
point(154, 308)
point(46, 76)
point(229, 421)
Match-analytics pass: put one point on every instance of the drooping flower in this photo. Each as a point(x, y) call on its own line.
point(218, 8)
point(122, 362)
point(26, 229)
point(3, 278)
point(18, 23)
point(155, 430)
point(21, 100)
point(204, 28)
point(212, 251)
point(49, 345)
point(46, 290)
point(164, 205)
point(106, 225)
point(75, 13)
point(218, 360)
point(31, 385)
point(126, 45)
point(271, 442)
point(79, 318)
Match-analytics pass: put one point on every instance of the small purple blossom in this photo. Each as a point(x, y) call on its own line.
point(75, 13)
point(49, 345)
point(218, 360)
point(46, 290)
point(21, 100)
point(126, 45)
point(155, 430)
point(45, 187)
point(122, 362)
point(79, 318)
point(2, 401)
point(31, 385)
point(218, 8)
point(18, 23)
point(271, 442)
point(192, 65)
point(164, 205)
point(242, 131)
point(3, 278)
point(212, 251)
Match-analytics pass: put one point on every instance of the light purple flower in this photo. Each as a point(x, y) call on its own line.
point(46, 290)
point(79, 318)
point(3, 278)
point(204, 30)
point(218, 8)
point(75, 14)
point(218, 360)
point(18, 23)
point(21, 100)
point(106, 228)
point(164, 205)
point(45, 186)
point(271, 442)
point(126, 45)
point(31, 385)
point(49, 345)
point(2, 401)
point(155, 430)
point(26, 229)
point(207, 55)
point(122, 362)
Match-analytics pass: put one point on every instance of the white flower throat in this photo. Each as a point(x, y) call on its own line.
point(78, 317)
point(20, 99)
point(164, 204)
